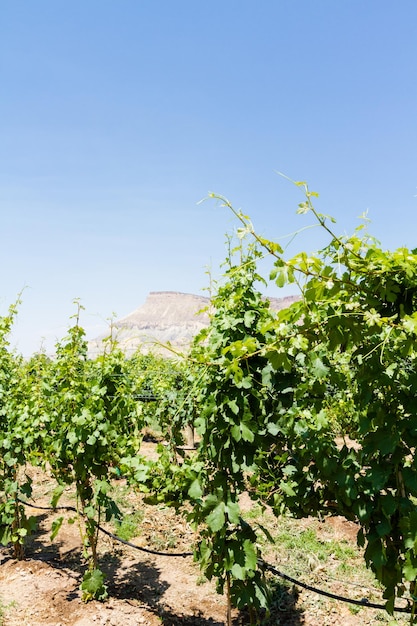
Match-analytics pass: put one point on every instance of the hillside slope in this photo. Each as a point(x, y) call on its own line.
point(167, 317)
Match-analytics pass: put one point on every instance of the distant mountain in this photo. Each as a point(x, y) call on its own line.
point(167, 317)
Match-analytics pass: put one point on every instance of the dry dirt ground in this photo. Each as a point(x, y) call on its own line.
point(144, 589)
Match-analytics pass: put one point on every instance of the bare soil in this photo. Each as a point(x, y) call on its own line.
point(145, 589)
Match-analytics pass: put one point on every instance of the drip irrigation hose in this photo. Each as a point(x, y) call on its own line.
point(364, 602)
point(263, 564)
point(107, 532)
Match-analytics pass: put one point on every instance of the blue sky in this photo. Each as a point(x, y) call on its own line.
point(116, 118)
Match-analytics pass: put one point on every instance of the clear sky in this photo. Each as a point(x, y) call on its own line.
point(117, 117)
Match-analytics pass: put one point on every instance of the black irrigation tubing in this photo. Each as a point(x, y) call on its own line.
point(263, 564)
point(107, 532)
point(148, 550)
point(364, 602)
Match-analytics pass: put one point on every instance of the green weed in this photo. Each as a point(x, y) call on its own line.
point(129, 526)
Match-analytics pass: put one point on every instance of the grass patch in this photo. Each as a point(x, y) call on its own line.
point(322, 555)
point(129, 526)
point(307, 542)
point(4, 608)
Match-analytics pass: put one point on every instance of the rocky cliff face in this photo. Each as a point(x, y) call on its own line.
point(167, 317)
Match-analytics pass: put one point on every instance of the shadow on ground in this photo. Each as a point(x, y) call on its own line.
point(139, 583)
